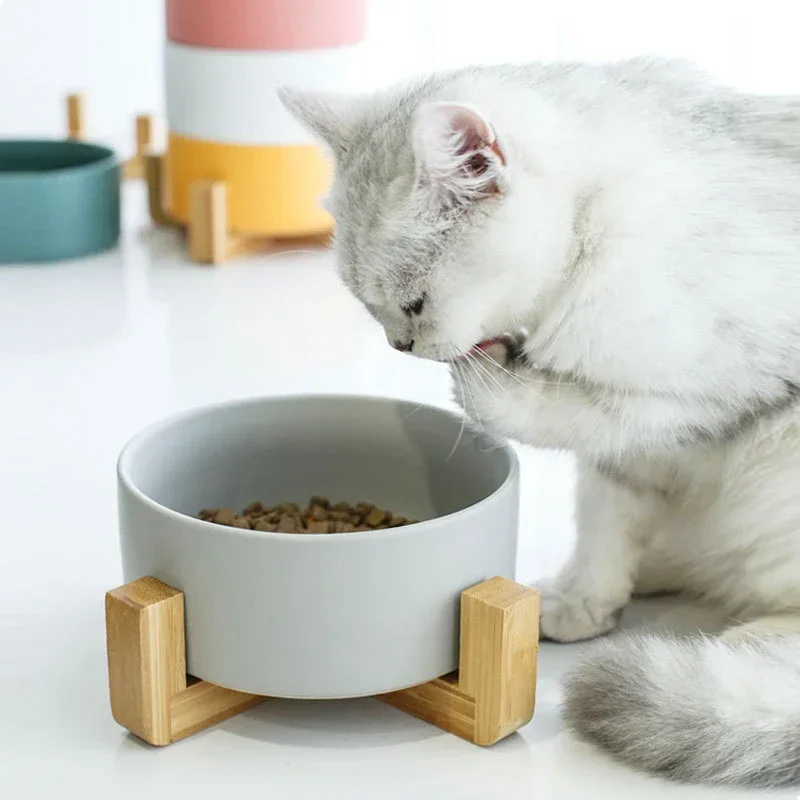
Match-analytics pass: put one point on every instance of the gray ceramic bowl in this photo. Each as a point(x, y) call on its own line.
point(58, 199)
point(319, 616)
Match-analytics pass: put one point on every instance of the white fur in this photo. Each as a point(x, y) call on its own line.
point(647, 236)
point(445, 135)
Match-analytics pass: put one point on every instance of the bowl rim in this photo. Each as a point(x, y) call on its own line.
point(106, 159)
point(124, 477)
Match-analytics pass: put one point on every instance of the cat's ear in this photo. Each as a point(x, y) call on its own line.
point(325, 114)
point(457, 152)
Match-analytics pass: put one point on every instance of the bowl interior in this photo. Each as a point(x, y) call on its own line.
point(33, 157)
point(398, 455)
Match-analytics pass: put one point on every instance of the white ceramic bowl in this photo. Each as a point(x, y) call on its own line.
point(319, 616)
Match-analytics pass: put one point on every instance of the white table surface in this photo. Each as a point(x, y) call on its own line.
point(93, 350)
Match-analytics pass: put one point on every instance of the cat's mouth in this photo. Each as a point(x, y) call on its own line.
point(495, 348)
point(481, 347)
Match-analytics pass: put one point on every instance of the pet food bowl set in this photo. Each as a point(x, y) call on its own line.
point(239, 173)
point(60, 198)
point(214, 619)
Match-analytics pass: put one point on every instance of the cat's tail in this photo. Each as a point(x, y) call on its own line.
point(699, 710)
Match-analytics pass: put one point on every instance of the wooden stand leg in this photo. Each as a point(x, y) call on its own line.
point(210, 241)
point(76, 117)
point(494, 692)
point(208, 222)
point(144, 134)
point(135, 167)
point(155, 170)
point(491, 696)
point(147, 667)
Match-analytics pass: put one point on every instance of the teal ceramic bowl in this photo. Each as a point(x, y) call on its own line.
point(58, 199)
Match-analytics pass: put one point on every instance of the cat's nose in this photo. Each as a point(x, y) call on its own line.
point(403, 347)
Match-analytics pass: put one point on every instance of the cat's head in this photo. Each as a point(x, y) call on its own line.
point(436, 223)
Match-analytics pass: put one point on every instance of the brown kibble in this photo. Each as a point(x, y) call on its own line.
point(375, 517)
point(225, 516)
point(317, 527)
point(318, 513)
point(344, 527)
point(289, 524)
point(319, 516)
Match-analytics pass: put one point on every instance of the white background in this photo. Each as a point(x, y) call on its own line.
point(111, 49)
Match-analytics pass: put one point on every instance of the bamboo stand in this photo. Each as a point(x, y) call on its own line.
point(209, 239)
point(491, 696)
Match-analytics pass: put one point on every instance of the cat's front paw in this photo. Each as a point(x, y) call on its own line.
point(570, 616)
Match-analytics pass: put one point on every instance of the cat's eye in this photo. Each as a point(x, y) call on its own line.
point(415, 307)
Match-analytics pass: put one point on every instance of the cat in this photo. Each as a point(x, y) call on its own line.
point(608, 258)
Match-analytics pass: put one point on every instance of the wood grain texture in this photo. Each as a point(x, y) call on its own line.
point(208, 222)
point(440, 702)
point(491, 696)
point(135, 168)
point(76, 117)
point(494, 692)
point(210, 241)
point(498, 654)
point(146, 656)
point(144, 134)
point(147, 667)
point(155, 172)
point(204, 704)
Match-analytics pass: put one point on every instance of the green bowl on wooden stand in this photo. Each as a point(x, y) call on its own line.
point(59, 199)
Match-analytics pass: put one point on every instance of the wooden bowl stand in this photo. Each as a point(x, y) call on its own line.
point(209, 239)
point(491, 696)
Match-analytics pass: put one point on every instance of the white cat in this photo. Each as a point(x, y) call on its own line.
point(642, 226)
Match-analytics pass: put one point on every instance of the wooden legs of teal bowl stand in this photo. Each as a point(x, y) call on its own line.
point(58, 200)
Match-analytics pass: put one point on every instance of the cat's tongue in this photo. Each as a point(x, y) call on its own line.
point(484, 345)
point(487, 343)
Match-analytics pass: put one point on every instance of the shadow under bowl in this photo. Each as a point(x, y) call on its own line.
point(59, 198)
point(319, 615)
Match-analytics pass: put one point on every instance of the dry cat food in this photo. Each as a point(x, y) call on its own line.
point(319, 516)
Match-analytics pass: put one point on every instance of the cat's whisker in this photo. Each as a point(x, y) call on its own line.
point(495, 363)
point(463, 415)
point(480, 372)
point(483, 374)
point(490, 375)
point(413, 411)
point(462, 365)
point(530, 383)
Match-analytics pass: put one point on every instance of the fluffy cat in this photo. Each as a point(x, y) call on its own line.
point(641, 227)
